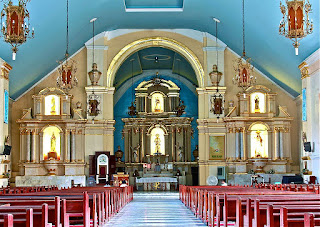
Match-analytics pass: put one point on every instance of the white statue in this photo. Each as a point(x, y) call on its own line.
point(135, 152)
point(180, 152)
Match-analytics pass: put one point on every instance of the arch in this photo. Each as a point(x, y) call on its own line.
point(172, 44)
point(258, 122)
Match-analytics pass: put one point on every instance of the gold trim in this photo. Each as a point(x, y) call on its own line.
point(155, 41)
point(304, 69)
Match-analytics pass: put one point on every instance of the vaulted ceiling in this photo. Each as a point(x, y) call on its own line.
point(271, 53)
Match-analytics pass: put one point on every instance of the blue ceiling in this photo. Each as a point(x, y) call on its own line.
point(154, 58)
point(271, 53)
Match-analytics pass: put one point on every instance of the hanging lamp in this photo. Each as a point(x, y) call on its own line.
point(181, 107)
point(132, 109)
point(94, 74)
point(15, 26)
point(217, 98)
point(68, 67)
point(295, 23)
point(243, 67)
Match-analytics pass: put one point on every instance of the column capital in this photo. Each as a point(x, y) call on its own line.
point(4, 69)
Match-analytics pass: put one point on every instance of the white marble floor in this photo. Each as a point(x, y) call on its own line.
point(155, 209)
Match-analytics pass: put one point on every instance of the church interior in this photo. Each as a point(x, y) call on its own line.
point(158, 102)
point(159, 94)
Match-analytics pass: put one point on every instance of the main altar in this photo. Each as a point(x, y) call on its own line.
point(157, 138)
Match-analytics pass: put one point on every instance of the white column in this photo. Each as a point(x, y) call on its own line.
point(28, 146)
point(237, 144)
point(67, 145)
point(276, 144)
point(281, 144)
point(41, 146)
point(73, 146)
point(33, 146)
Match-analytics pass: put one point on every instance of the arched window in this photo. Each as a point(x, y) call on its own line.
point(259, 141)
point(51, 143)
point(157, 141)
point(52, 105)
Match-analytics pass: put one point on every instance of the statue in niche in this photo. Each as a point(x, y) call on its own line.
point(135, 153)
point(53, 106)
point(256, 104)
point(180, 152)
point(258, 150)
point(157, 142)
point(157, 107)
point(93, 105)
point(52, 155)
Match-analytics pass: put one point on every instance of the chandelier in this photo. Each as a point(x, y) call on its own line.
point(215, 75)
point(94, 74)
point(15, 27)
point(243, 67)
point(295, 23)
point(68, 67)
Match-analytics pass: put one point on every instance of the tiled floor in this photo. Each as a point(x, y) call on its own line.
point(155, 209)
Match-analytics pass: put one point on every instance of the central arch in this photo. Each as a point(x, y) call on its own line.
point(137, 45)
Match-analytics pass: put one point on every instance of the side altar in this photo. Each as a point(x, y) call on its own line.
point(52, 141)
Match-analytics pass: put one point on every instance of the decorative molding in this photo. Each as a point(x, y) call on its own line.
point(304, 69)
point(98, 47)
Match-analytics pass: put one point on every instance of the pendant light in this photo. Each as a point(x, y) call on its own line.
point(243, 67)
point(295, 23)
point(15, 28)
point(132, 109)
point(94, 74)
point(217, 99)
point(68, 67)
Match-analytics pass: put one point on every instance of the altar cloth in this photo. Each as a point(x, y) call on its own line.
point(157, 179)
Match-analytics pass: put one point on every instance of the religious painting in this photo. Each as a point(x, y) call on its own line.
point(258, 102)
point(52, 105)
point(304, 104)
point(157, 103)
point(217, 147)
point(6, 106)
point(51, 143)
point(157, 141)
point(259, 141)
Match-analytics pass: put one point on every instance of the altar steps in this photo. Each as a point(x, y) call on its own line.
point(155, 209)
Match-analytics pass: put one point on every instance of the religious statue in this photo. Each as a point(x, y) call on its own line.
point(93, 107)
point(53, 153)
point(157, 107)
point(53, 143)
point(256, 104)
point(53, 106)
point(258, 150)
point(157, 142)
point(135, 153)
point(180, 152)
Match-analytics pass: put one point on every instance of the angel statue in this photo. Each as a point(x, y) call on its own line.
point(135, 152)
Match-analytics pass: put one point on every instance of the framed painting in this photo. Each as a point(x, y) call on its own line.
point(217, 147)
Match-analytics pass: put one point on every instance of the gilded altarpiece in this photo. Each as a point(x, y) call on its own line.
point(157, 140)
point(51, 139)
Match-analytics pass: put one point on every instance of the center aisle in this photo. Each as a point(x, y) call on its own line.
point(155, 209)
